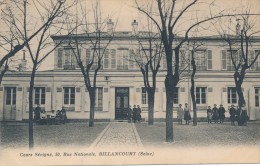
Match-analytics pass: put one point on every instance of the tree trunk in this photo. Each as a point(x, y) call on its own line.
point(192, 90)
point(169, 107)
point(241, 99)
point(31, 141)
point(239, 78)
point(151, 108)
point(92, 96)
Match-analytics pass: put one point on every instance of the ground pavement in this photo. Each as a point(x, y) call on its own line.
point(118, 135)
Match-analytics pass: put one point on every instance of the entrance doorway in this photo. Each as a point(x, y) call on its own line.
point(10, 103)
point(121, 103)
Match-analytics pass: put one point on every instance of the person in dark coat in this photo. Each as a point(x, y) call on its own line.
point(37, 113)
point(232, 112)
point(215, 113)
point(221, 113)
point(135, 113)
point(129, 114)
point(63, 115)
point(187, 116)
point(209, 114)
point(180, 114)
point(139, 116)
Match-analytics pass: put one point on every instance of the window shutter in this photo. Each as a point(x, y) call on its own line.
point(59, 57)
point(113, 58)
point(251, 59)
point(209, 60)
point(106, 59)
point(224, 59)
point(76, 63)
point(88, 59)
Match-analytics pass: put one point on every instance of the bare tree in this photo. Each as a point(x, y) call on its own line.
point(194, 45)
point(43, 46)
point(240, 52)
point(13, 18)
point(148, 58)
point(167, 19)
point(96, 42)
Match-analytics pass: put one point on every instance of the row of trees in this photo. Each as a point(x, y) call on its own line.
point(163, 40)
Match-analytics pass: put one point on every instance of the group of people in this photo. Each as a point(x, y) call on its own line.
point(216, 114)
point(41, 117)
point(238, 114)
point(183, 114)
point(134, 115)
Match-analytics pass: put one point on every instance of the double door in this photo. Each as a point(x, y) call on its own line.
point(121, 103)
point(10, 103)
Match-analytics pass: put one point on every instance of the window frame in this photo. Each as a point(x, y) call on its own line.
point(200, 95)
point(99, 96)
point(230, 94)
point(40, 95)
point(70, 96)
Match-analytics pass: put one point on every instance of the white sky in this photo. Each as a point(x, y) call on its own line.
point(124, 11)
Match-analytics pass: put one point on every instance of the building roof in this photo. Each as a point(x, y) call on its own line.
point(128, 35)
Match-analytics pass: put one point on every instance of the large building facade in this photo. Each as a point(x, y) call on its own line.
point(120, 82)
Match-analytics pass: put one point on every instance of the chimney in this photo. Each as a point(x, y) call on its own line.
point(110, 26)
point(238, 28)
point(134, 27)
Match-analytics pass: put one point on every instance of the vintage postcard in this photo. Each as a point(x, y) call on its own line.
point(129, 82)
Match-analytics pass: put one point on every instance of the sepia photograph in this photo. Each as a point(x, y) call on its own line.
point(129, 82)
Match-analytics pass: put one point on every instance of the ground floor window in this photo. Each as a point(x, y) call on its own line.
point(144, 96)
point(201, 96)
point(10, 96)
point(99, 99)
point(39, 95)
point(232, 95)
point(257, 97)
point(176, 96)
point(69, 96)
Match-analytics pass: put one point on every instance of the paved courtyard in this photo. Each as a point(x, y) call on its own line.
point(118, 135)
point(123, 134)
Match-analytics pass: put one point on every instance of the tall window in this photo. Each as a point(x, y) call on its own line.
point(176, 96)
point(144, 96)
point(69, 95)
point(227, 63)
point(70, 61)
point(10, 96)
point(90, 58)
point(110, 59)
point(201, 96)
point(39, 95)
point(257, 97)
point(256, 65)
point(60, 58)
point(232, 95)
point(201, 61)
point(122, 59)
point(99, 99)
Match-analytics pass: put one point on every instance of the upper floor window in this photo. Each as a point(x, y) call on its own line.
point(227, 63)
point(203, 59)
point(109, 59)
point(256, 64)
point(123, 59)
point(67, 59)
